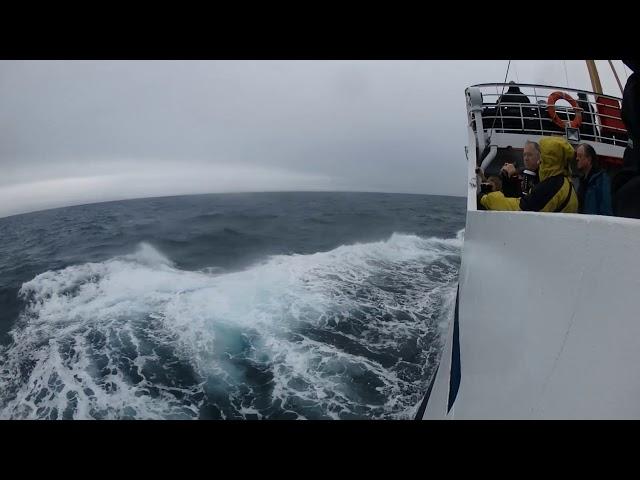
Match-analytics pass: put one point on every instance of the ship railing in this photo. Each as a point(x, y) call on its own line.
point(601, 114)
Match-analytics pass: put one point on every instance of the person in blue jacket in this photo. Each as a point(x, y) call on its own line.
point(594, 193)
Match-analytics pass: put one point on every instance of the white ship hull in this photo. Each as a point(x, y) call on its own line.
point(548, 318)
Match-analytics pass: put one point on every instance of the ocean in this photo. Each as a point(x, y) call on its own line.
point(227, 306)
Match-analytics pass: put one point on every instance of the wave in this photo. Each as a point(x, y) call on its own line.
point(348, 333)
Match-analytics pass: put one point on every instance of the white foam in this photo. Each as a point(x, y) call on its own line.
point(143, 299)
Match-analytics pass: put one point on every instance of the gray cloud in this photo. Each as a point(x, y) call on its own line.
point(83, 131)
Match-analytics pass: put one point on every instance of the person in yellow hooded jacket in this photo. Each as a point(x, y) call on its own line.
point(554, 193)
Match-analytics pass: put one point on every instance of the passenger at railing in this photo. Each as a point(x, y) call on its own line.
point(531, 157)
point(594, 192)
point(496, 183)
point(554, 193)
point(513, 95)
point(588, 118)
point(528, 177)
point(488, 185)
point(510, 181)
point(511, 115)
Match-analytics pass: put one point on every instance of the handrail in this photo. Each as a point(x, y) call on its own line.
point(513, 116)
point(560, 109)
point(539, 104)
point(549, 87)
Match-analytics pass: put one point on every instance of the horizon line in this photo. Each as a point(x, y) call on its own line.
point(226, 193)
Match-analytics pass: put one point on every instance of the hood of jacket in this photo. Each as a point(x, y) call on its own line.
point(555, 155)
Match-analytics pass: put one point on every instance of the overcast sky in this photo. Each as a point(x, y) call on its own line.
point(74, 132)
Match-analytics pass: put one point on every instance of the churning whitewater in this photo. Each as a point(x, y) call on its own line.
point(352, 332)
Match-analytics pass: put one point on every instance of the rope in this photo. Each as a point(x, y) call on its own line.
point(616, 75)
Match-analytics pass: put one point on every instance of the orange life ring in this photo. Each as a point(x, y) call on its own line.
point(551, 109)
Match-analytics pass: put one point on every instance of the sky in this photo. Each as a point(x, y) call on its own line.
point(75, 132)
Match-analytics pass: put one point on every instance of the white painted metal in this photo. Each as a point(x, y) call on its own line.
point(516, 140)
point(548, 316)
point(490, 156)
point(474, 107)
point(472, 161)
